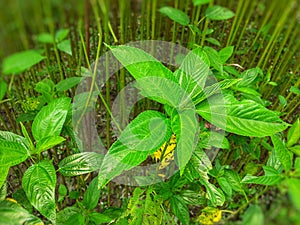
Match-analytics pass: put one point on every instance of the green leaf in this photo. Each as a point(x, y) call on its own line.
point(139, 63)
point(13, 214)
point(186, 136)
point(26, 135)
point(21, 61)
point(3, 174)
point(39, 183)
point(271, 177)
point(65, 46)
point(3, 88)
point(293, 185)
point(12, 153)
point(282, 152)
point(61, 34)
point(144, 135)
point(245, 117)
point(282, 100)
point(180, 209)
point(68, 83)
point(225, 186)
point(45, 38)
point(49, 121)
point(80, 163)
point(214, 139)
point(175, 15)
point(226, 53)
point(215, 88)
point(9, 136)
point(62, 190)
point(193, 72)
point(47, 143)
point(98, 218)
point(70, 216)
point(91, 195)
point(295, 90)
point(213, 41)
point(234, 180)
point(295, 149)
point(214, 58)
point(293, 134)
point(218, 13)
point(214, 194)
point(253, 216)
point(249, 76)
point(201, 2)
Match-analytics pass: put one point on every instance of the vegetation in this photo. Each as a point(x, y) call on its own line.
point(150, 112)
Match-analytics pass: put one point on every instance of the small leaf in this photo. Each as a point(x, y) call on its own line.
point(176, 15)
point(282, 100)
point(80, 163)
point(249, 76)
point(62, 190)
point(282, 152)
point(253, 216)
point(214, 139)
point(49, 121)
point(70, 216)
point(218, 13)
point(45, 38)
point(293, 134)
point(226, 53)
point(225, 186)
point(213, 41)
point(201, 2)
point(91, 195)
point(98, 218)
point(68, 83)
point(39, 183)
point(61, 34)
point(295, 90)
point(65, 46)
point(3, 88)
point(214, 58)
point(21, 61)
point(47, 143)
point(180, 209)
point(214, 194)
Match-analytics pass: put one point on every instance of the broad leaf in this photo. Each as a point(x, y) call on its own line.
point(21, 61)
point(245, 117)
point(193, 72)
point(214, 58)
point(214, 139)
point(282, 152)
point(213, 41)
point(253, 216)
point(143, 136)
point(12, 153)
point(218, 13)
point(99, 218)
point(225, 186)
point(49, 121)
point(140, 64)
point(47, 143)
point(13, 214)
point(91, 195)
point(176, 15)
point(180, 209)
point(70, 216)
point(9, 136)
point(249, 76)
point(234, 180)
point(68, 83)
point(39, 183)
point(80, 163)
point(271, 177)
